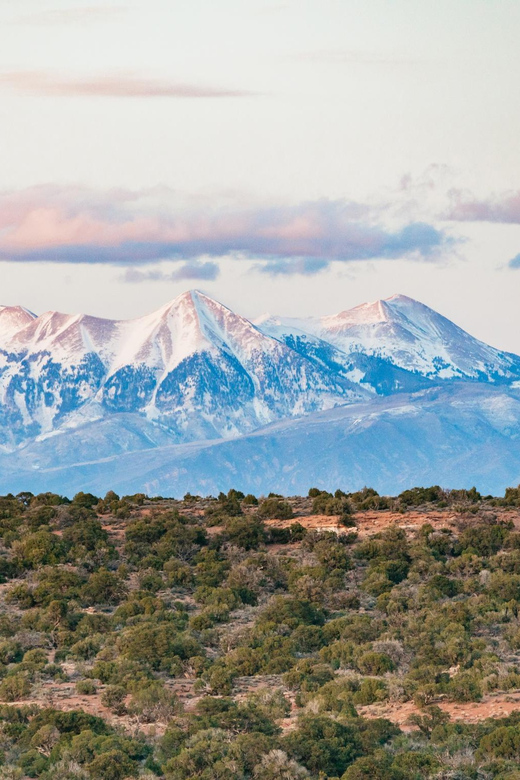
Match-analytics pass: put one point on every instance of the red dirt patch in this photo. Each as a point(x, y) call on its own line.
point(498, 705)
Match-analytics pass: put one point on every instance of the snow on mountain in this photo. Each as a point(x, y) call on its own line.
point(67, 337)
point(194, 366)
point(146, 401)
point(90, 400)
point(206, 372)
point(13, 319)
point(405, 334)
point(459, 435)
point(373, 372)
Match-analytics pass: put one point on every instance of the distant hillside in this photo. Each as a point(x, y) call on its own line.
point(458, 437)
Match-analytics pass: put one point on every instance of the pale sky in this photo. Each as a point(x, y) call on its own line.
point(296, 157)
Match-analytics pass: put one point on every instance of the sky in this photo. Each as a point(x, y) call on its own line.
point(296, 157)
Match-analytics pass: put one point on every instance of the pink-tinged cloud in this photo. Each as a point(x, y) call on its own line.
point(501, 208)
point(124, 85)
point(132, 228)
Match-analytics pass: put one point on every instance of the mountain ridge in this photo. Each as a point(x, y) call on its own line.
point(201, 369)
point(408, 333)
point(194, 372)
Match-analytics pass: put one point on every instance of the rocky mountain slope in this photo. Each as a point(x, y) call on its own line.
point(456, 436)
point(193, 366)
point(299, 399)
point(387, 338)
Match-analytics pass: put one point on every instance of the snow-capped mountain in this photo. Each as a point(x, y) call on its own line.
point(396, 333)
point(193, 366)
point(13, 319)
point(79, 392)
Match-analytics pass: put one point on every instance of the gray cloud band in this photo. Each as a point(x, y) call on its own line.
point(50, 224)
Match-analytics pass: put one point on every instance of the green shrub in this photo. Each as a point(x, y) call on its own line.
point(103, 587)
point(15, 687)
point(375, 663)
point(245, 532)
point(370, 691)
point(86, 687)
point(274, 508)
point(502, 742)
point(323, 745)
point(112, 765)
point(114, 698)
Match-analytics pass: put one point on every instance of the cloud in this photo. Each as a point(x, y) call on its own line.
point(79, 225)
point(124, 85)
point(284, 266)
point(499, 208)
point(194, 269)
point(84, 14)
point(515, 262)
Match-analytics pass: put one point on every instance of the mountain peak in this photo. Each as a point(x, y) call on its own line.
point(202, 371)
point(397, 309)
point(365, 314)
point(188, 297)
point(404, 303)
point(407, 334)
point(194, 301)
point(190, 323)
point(17, 308)
point(383, 309)
point(404, 298)
point(13, 319)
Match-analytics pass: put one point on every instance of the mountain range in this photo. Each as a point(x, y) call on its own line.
point(195, 397)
